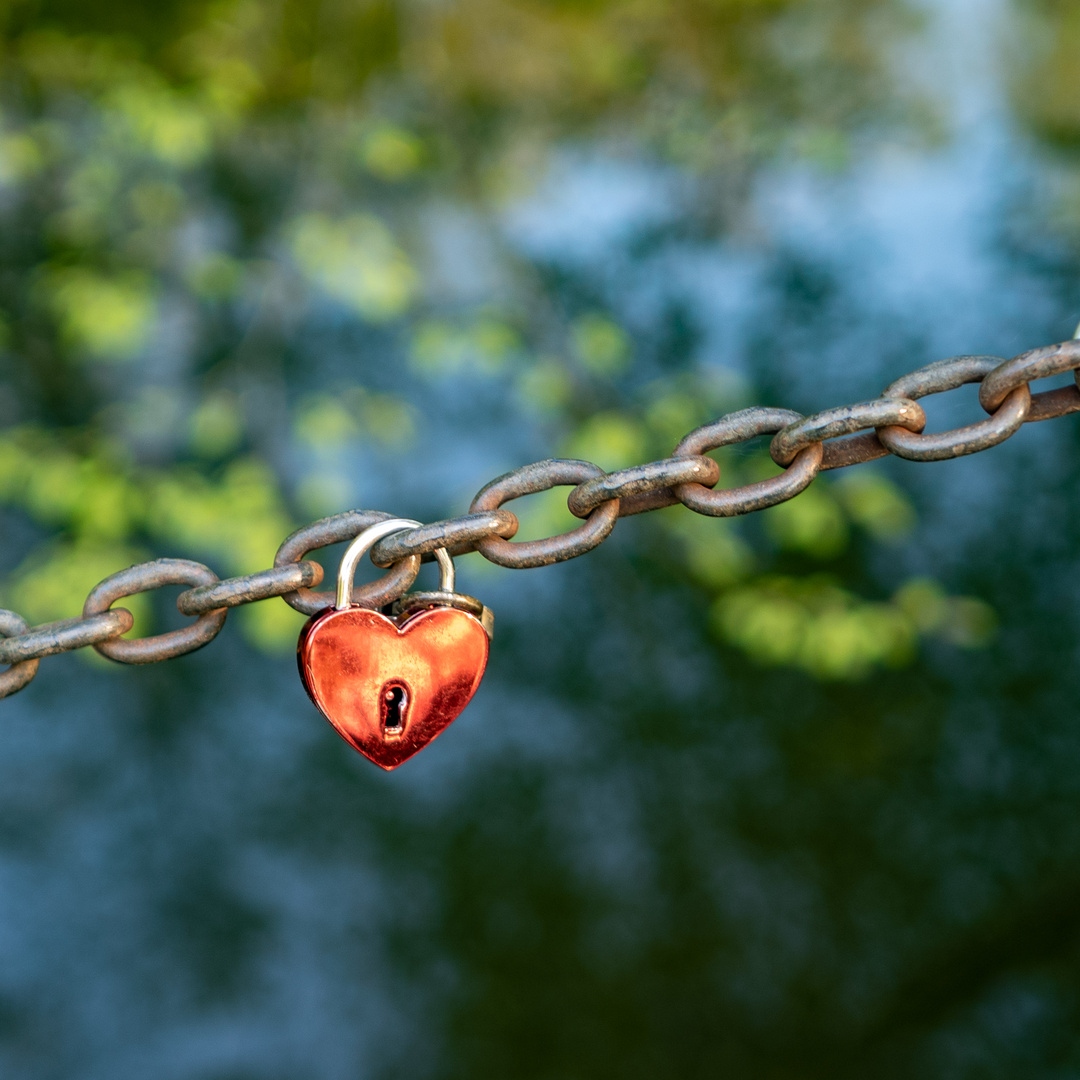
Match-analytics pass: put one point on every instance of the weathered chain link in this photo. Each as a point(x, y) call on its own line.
point(143, 578)
point(740, 427)
point(948, 375)
point(13, 626)
point(804, 445)
point(543, 476)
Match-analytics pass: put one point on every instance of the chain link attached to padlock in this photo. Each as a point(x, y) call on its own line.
point(410, 603)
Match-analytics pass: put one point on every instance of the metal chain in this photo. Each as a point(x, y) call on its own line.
point(803, 445)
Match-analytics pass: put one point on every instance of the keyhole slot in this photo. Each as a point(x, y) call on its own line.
point(393, 707)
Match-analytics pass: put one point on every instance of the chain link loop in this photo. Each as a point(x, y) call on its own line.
point(1027, 367)
point(657, 476)
point(543, 476)
point(457, 536)
point(335, 530)
point(804, 446)
point(741, 427)
point(142, 578)
point(844, 420)
point(232, 592)
point(948, 375)
point(1051, 404)
point(18, 675)
point(63, 636)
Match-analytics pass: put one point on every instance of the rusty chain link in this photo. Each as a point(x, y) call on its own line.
point(543, 476)
point(803, 445)
point(948, 375)
point(740, 427)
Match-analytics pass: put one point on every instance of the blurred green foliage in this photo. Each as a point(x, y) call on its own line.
point(103, 502)
point(185, 189)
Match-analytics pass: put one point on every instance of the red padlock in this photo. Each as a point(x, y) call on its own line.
point(390, 684)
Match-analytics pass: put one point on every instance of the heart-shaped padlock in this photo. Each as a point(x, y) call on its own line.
point(390, 684)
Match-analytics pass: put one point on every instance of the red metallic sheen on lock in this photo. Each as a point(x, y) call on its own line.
point(355, 663)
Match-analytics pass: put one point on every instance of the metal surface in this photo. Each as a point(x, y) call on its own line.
point(845, 420)
point(232, 592)
point(740, 427)
point(142, 578)
point(458, 536)
point(391, 685)
point(388, 689)
point(832, 439)
point(1051, 404)
point(542, 476)
point(642, 480)
point(854, 450)
point(413, 602)
point(334, 530)
point(366, 541)
point(65, 635)
point(19, 675)
point(948, 375)
point(1026, 368)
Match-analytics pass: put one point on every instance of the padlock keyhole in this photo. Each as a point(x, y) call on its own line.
point(393, 705)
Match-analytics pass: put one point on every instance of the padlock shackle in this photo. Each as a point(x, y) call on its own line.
point(366, 541)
